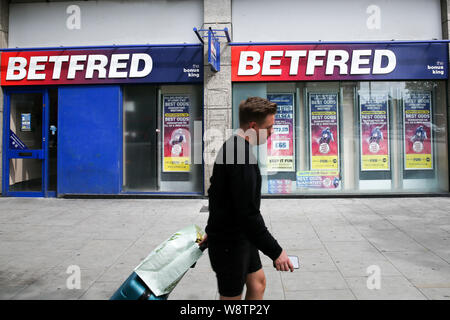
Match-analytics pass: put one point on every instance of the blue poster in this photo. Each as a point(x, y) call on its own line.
point(25, 122)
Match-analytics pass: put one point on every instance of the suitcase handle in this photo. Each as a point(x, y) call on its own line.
point(203, 246)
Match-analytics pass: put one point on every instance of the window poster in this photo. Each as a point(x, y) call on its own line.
point(279, 186)
point(318, 179)
point(324, 131)
point(177, 144)
point(417, 133)
point(374, 131)
point(25, 120)
point(280, 145)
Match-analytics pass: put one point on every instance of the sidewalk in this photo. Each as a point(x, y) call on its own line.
point(406, 239)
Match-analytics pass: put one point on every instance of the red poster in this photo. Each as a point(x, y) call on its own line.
point(417, 122)
point(324, 131)
point(176, 134)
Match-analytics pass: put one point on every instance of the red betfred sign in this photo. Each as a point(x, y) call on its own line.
point(339, 62)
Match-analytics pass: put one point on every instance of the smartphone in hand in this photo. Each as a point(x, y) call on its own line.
point(294, 261)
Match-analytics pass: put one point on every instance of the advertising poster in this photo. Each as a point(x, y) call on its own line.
point(280, 186)
point(417, 133)
point(320, 179)
point(280, 145)
point(374, 131)
point(176, 133)
point(25, 120)
point(324, 131)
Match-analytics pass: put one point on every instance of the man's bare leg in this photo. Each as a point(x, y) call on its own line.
point(256, 285)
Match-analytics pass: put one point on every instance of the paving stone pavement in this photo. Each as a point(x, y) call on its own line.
point(343, 245)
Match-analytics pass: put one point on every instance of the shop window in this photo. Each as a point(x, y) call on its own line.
point(158, 140)
point(353, 137)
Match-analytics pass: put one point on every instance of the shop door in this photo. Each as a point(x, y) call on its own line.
point(141, 136)
point(25, 144)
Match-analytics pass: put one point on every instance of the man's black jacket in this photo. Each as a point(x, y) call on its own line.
point(235, 198)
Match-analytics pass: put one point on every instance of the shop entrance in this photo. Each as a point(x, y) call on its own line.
point(29, 143)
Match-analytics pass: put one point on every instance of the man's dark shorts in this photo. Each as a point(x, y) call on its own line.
point(232, 262)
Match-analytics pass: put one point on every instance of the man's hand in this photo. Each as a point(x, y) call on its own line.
point(204, 242)
point(283, 263)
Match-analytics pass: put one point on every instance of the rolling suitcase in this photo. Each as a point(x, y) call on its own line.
point(135, 288)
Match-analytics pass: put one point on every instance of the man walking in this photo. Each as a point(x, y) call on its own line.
point(235, 228)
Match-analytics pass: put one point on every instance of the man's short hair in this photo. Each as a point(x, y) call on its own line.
point(255, 109)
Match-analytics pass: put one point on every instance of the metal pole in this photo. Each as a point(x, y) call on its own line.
point(227, 34)
point(198, 36)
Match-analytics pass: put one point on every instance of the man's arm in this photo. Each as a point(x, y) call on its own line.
point(243, 194)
